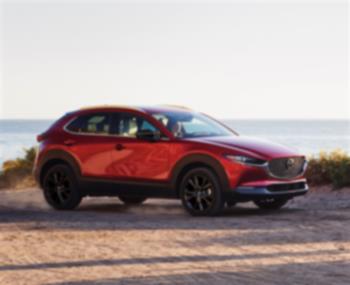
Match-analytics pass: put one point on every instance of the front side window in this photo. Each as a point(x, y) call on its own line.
point(91, 124)
point(127, 125)
point(191, 124)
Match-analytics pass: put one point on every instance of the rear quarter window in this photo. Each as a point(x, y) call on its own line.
point(90, 124)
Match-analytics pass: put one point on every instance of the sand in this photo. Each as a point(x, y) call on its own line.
point(105, 242)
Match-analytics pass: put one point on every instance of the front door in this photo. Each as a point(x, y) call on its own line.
point(135, 159)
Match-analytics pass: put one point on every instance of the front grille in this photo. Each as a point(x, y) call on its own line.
point(286, 187)
point(286, 168)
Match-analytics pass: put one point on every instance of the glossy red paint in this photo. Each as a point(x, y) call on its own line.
point(131, 159)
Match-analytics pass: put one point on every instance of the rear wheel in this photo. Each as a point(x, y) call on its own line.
point(132, 200)
point(200, 193)
point(271, 203)
point(61, 188)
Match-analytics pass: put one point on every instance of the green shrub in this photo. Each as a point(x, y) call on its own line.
point(18, 172)
point(329, 168)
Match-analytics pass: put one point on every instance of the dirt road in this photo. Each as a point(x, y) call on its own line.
point(105, 242)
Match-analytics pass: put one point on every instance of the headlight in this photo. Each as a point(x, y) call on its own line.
point(246, 160)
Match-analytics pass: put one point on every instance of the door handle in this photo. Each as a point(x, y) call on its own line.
point(119, 147)
point(69, 142)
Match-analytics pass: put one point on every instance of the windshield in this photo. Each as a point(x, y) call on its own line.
point(191, 125)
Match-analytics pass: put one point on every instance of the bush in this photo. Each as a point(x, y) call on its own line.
point(18, 173)
point(329, 168)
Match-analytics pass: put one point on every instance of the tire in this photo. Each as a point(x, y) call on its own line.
point(201, 193)
point(60, 188)
point(132, 200)
point(271, 203)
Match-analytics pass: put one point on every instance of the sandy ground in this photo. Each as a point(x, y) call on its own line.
point(105, 242)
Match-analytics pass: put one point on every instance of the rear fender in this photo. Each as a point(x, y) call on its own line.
point(56, 156)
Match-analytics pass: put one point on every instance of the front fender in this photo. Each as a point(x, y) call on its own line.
point(193, 160)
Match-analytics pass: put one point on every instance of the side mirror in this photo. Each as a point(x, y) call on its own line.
point(148, 135)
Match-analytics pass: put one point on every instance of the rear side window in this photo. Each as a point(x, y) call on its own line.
point(91, 124)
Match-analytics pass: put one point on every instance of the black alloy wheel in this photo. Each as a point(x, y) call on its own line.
point(60, 188)
point(200, 193)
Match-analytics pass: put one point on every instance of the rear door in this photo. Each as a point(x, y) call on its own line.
point(91, 143)
point(135, 159)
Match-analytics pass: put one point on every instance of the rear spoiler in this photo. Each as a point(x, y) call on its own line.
point(41, 137)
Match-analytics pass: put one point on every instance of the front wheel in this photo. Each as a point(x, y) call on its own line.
point(201, 193)
point(61, 188)
point(271, 203)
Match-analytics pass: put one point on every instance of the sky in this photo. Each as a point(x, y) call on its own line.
point(250, 59)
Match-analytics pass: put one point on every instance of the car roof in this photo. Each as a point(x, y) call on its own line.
point(143, 109)
point(109, 107)
point(165, 108)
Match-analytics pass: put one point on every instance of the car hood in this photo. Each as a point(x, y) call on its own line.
point(260, 147)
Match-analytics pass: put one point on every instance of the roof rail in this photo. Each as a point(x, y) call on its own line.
point(175, 106)
point(108, 106)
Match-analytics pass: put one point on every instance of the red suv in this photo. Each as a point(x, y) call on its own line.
point(163, 152)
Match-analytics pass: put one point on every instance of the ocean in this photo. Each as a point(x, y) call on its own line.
point(308, 136)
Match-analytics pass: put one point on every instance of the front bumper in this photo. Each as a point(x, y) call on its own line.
point(276, 190)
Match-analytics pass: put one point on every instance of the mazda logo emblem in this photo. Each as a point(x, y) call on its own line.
point(289, 163)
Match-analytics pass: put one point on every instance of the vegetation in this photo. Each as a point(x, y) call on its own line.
point(18, 173)
point(327, 168)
